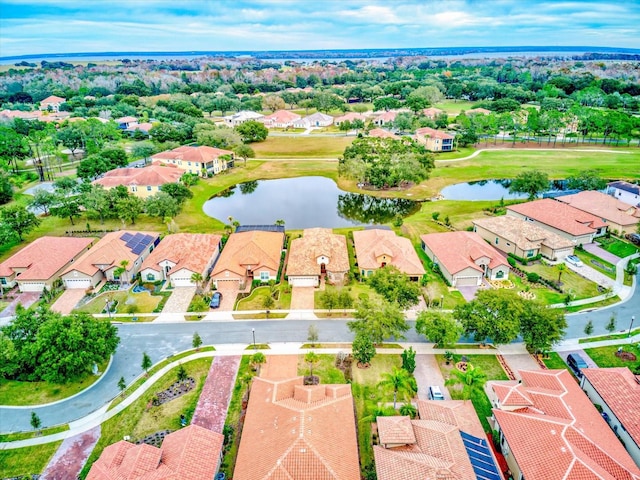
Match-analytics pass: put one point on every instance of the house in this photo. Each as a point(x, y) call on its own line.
point(198, 160)
point(479, 111)
point(625, 192)
point(432, 112)
point(240, 117)
point(317, 119)
point(569, 222)
point(464, 258)
point(447, 441)
point(617, 391)
point(247, 256)
point(298, 432)
point(548, 428)
point(141, 182)
point(434, 140)
point(105, 258)
point(144, 127)
point(52, 103)
point(126, 122)
point(350, 117)
point(618, 215)
point(35, 267)
point(319, 252)
point(521, 238)
point(181, 255)
point(191, 453)
point(382, 118)
point(376, 248)
point(382, 133)
point(280, 119)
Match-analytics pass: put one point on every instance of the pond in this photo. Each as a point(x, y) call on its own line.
point(490, 190)
point(304, 202)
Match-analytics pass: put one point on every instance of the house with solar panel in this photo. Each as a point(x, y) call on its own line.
point(101, 262)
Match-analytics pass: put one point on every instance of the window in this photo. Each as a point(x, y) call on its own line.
point(3, 281)
point(189, 163)
point(151, 277)
point(499, 274)
point(497, 240)
point(529, 253)
point(134, 188)
point(148, 188)
point(264, 276)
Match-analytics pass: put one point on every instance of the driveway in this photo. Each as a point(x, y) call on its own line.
point(469, 293)
point(582, 353)
point(592, 274)
point(25, 299)
point(211, 410)
point(601, 252)
point(302, 298)
point(428, 373)
point(229, 291)
point(179, 300)
point(68, 300)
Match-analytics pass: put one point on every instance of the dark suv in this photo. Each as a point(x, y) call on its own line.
point(633, 238)
point(576, 363)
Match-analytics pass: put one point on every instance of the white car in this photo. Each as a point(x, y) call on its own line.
point(574, 260)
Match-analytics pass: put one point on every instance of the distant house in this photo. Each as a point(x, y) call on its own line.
point(350, 117)
point(464, 258)
point(434, 140)
point(280, 119)
point(317, 119)
point(126, 122)
point(181, 255)
point(523, 239)
point(617, 391)
point(618, 215)
point(52, 103)
point(478, 111)
point(432, 112)
point(298, 432)
point(567, 221)
point(626, 192)
point(200, 160)
point(381, 133)
point(317, 253)
point(383, 118)
point(141, 182)
point(191, 453)
point(248, 256)
point(376, 248)
point(38, 265)
point(139, 127)
point(104, 259)
point(240, 117)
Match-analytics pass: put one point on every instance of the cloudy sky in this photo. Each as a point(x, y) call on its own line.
point(65, 26)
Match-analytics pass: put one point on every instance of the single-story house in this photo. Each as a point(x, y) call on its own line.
point(350, 117)
point(181, 255)
point(317, 253)
point(478, 111)
point(240, 117)
point(617, 391)
point(382, 118)
point(141, 182)
point(247, 256)
point(382, 133)
point(38, 265)
point(547, 428)
point(200, 160)
point(126, 122)
point(297, 431)
point(578, 226)
point(191, 453)
point(280, 119)
point(52, 103)
point(432, 112)
point(377, 247)
point(434, 140)
point(144, 127)
point(618, 215)
point(103, 261)
point(464, 258)
point(626, 192)
point(523, 239)
point(317, 119)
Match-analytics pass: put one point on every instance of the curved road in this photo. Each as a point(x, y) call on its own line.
point(161, 340)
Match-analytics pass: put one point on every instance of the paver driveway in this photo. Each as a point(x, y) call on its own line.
point(302, 298)
point(179, 300)
point(428, 373)
point(68, 300)
point(25, 299)
point(211, 411)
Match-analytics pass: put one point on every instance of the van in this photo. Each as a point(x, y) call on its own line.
point(576, 363)
point(435, 393)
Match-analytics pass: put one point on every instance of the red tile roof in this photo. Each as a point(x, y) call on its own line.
point(38, 260)
point(604, 206)
point(298, 432)
point(561, 435)
point(153, 175)
point(382, 133)
point(191, 453)
point(280, 116)
point(560, 216)
point(52, 99)
point(317, 242)
point(372, 243)
point(433, 133)
point(254, 248)
point(191, 251)
point(395, 430)
point(201, 154)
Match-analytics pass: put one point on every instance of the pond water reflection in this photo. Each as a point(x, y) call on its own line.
point(490, 190)
point(304, 202)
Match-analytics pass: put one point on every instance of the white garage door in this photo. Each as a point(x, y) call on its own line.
point(31, 286)
point(304, 281)
point(227, 284)
point(78, 283)
point(182, 281)
point(466, 281)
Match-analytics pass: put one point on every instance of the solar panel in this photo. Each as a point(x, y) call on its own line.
point(138, 249)
point(480, 457)
point(133, 241)
point(146, 240)
point(126, 237)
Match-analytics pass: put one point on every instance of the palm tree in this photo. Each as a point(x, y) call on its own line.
point(561, 267)
point(197, 278)
point(311, 358)
point(121, 270)
point(473, 379)
point(257, 359)
point(399, 380)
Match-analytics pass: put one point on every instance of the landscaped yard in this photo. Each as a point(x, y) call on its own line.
point(619, 248)
point(606, 356)
point(554, 362)
point(595, 262)
point(571, 283)
point(25, 461)
point(255, 301)
point(128, 302)
point(325, 369)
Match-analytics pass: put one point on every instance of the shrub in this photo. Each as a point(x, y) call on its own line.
point(533, 277)
point(512, 261)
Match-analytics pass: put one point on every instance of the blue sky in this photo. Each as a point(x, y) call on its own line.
point(64, 26)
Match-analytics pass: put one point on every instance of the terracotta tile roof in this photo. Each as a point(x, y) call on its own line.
point(457, 251)
point(382, 133)
point(603, 206)
point(432, 112)
point(298, 432)
point(525, 235)
point(254, 248)
point(110, 251)
point(281, 116)
point(144, 127)
point(561, 435)
point(316, 242)
point(191, 453)
point(482, 111)
point(369, 244)
point(559, 215)
point(433, 133)
point(389, 116)
point(350, 116)
point(188, 153)
point(153, 175)
point(127, 119)
point(395, 430)
point(38, 260)
point(53, 99)
point(620, 390)
point(191, 251)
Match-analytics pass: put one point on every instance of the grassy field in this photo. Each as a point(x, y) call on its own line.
point(606, 356)
point(128, 302)
point(554, 362)
point(13, 392)
point(454, 107)
point(302, 146)
point(619, 248)
point(25, 461)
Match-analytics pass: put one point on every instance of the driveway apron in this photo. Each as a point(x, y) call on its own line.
point(428, 373)
point(211, 411)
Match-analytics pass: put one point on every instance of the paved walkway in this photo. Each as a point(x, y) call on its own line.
point(71, 456)
point(68, 300)
point(601, 252)
point(26, 299)
point(179, 300)
point(211, 411)
point(428, 373)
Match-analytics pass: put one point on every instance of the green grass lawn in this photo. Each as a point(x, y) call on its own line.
point(302, 146)
point(257, 297)
point(128, 302)
point(613, 336)
point(597, 263)
point(619, 248)
point(14, 437)
point(572, 282)
point(554, 362)
point(25, 461)
point(454, 107)
point(325, 369)
point(606, 356)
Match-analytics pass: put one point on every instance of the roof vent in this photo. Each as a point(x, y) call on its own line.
point(553, 432)
point(303, 450)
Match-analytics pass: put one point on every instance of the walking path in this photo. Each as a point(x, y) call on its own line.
point(601, 252)
point(211, 411)
point(478, 152)
point(71, 456)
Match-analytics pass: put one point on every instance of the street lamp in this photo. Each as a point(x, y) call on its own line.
point(441, 302)
point(108, 307)
point(253, 332)
point(633, 317)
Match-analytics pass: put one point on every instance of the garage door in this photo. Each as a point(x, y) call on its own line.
point(304, 281)
point(466, 281)
point(182, 282)
point(31, 286)
point(227, 284)
point(78, 283)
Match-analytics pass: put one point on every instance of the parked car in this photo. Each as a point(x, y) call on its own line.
point(576, 363)
point(633, 238)
point(435, 393)
point(215, 300)
point(574, 260)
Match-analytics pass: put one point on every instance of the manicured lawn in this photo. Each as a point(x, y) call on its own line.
point(26, 461)
point(603, 303)
point(13, 392)
point(325, 369)
point(554, 362)
point(596, 263)
point(356, 290)
point(128, 302)
point(613, 336)
point(572, 282)
point(606, 356)
point(619, 248)
point(302, 146)
point(256, 299)
point(454, 107)
point(14, 437)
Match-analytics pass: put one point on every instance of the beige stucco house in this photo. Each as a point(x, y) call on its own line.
point(434, 140)
point(377, 247)
point(619, 216)
point(317, 253)
point(200, 160)
point(141, 182)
